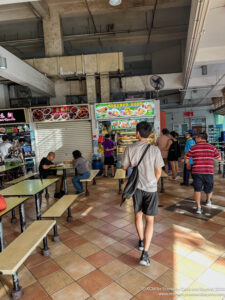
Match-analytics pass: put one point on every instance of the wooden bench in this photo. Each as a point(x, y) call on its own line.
point(120, 176)
point(12, 203)
point(21, 178)
point(94, 173)
point(57, 210)
point(17, 252)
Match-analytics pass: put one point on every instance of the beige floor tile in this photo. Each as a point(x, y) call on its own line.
point(103, 242)
point(115, 269)
point(68, 258)
point(86, 249)
point(202, 257)
point(212, 279)
point(181, 248)
point(55, 281)
point(154, 249)
point(120, 223)
point(79, 269)
point(134, 281)
point(96, 223)
point(212, 248)
point(82, 230)
point(119, 234)
point(117, 249)
point(112, 292)
point(25, 277)
point(93, 235)
point(58, 249)
point(174, 280)
point(154, 271)
point(199, 291)
point(190, 268)
point(72, 291)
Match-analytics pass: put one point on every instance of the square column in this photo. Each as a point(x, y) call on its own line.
point(105, 87)
point(4, 96)
point(91, 88)
point(53, 35)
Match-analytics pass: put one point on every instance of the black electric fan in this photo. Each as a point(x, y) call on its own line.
point(157, 83)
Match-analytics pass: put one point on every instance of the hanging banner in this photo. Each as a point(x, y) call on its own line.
point(127, 123)
point(130, 109)
point(12, 116)
point(60, 113)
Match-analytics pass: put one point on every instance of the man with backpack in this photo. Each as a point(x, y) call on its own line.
point(145, 198)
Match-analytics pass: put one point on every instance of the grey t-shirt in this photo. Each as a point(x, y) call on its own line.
point(82, 165)
point(151, 161)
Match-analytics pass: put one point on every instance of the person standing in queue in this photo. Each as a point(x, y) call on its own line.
point(189, 143)
point(109, 147)
point(162, 142)
point(145, 199)
point(174, 153)
point(203, 169)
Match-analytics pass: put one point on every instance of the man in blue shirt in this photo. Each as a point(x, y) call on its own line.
point(189, 143)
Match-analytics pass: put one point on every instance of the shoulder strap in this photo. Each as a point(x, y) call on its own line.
point(146, 149)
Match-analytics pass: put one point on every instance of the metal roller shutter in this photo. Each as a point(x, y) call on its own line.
point(63, 138)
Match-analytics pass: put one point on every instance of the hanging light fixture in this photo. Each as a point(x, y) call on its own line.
point(3, 64)
point(115, 2)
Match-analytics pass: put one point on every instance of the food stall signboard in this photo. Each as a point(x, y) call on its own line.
point(126, 124)
point(130, 109)
point(60, 113)
point(13, 116)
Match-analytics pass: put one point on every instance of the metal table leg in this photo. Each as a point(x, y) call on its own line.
point(13, 219)
point(17, 291)
point(69, 216)
point(65, 181)
point(22, 217)
point(223, 170)
point(45, 250)
point(87, 192)
point(120, 186)
point(219, 170)
point(162, 185)
point(94, 181)
point(46, 194)
point(56, 235)
point(38, 210)
point(1, 236)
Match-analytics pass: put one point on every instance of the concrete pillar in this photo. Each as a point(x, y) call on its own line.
point(91, 88)
point(53, 35)
point(105, 87)
point(4, 96)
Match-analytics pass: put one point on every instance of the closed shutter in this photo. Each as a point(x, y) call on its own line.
point(63, 138)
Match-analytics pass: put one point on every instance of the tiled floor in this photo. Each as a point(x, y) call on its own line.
point(97, 258)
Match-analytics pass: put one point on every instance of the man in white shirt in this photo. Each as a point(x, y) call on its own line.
point(4, 146)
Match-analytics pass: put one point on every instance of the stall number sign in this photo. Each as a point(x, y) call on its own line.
point(130, 109)
point(12, 117)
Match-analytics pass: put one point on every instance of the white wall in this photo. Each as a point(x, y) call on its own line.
point(176, 115)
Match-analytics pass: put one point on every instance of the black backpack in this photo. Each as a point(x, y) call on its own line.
point(132, 182)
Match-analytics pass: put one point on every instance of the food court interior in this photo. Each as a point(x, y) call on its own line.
point(71, 73)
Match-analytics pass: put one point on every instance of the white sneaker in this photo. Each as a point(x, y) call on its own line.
point(199, 211)
point(208, 203)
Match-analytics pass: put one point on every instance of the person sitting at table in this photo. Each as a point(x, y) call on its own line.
point(4, 146)
point(82, 171)
point(46, 171)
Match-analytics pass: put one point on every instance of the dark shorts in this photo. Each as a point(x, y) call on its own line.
point(109, 161)
point(146, 202)
point(203, 182)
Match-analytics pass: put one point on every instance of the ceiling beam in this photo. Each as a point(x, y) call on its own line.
point(20, 72)
point(40, 8)
point(5, 2)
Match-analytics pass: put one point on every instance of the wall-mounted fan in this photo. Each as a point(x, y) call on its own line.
point(157, 83)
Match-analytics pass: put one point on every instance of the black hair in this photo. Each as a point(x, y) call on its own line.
point(174, 134)
point(22, 140)
point(165, 131)
point(144, 128)
point(203, 136)
point(5, 138)
point(77, 154)
point(107, 136)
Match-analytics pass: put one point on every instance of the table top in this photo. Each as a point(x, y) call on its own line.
point(63, 167)
point(28, 187)
point(5, 168)
point(12, 202)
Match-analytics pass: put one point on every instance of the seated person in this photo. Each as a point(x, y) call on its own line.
point(82, 170)
point(46, 172)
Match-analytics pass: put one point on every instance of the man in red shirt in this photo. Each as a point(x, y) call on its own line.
point(203, 168)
